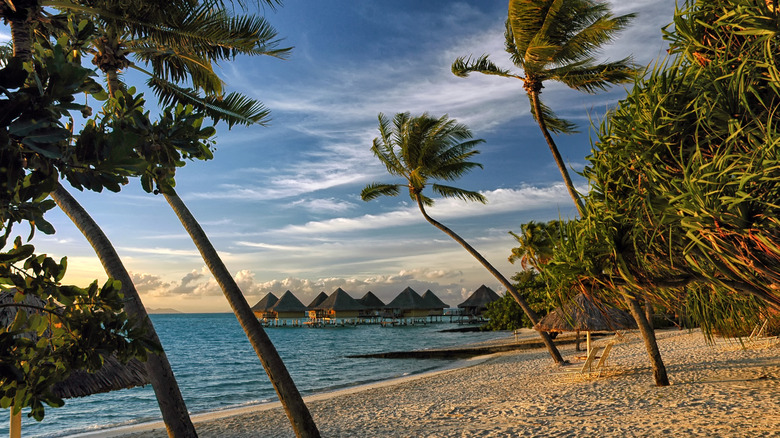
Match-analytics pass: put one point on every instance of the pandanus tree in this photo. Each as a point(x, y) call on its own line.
point(425, 149)
point(556, 40)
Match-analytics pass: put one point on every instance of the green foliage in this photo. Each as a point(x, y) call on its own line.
point(56, 329)
point(685, 178)
point(506, 314)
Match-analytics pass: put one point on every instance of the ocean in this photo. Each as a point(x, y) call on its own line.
point(217, 369)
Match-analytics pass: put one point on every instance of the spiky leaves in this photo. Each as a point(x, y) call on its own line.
point(420, 149)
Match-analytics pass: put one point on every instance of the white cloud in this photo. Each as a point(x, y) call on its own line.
point(499, 201)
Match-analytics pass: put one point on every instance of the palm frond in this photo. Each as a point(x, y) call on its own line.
point(553, 122)
point(463, 66)
point(591, 78)
point(602, 30)
point(454, 192)
point(233, 108)
point(375, 190)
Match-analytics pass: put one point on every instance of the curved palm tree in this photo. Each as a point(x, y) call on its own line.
point(182, 43)
point(185, 45)
point(556, 40)
point(424, 148)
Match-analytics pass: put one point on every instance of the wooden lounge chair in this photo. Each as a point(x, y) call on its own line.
point(602, 364)
point(587, 367)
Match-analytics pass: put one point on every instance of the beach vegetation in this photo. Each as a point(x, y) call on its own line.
point(49, 330)
point(682, 205)
point(425, 150)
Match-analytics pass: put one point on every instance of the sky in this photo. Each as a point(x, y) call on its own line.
point(281, 203)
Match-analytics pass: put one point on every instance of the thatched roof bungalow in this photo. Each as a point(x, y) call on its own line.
point(288, 307)
point(433, 303)
point(477, 302)
point(374, 306)
point(317, 300)
point(261, 309)
point(338, 305)
point(408, 304)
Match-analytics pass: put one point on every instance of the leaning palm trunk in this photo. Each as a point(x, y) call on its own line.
point(556, 154)
point(291, 400)
point(556, 355)
point(174, 411)
point(651, 344)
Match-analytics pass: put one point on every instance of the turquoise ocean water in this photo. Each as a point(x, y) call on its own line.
point(217, 369)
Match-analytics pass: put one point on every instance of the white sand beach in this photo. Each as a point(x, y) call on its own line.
point(721, 390)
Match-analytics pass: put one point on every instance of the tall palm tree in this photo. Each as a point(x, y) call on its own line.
point(187, 49)
point(556, 40)
point(425, 148)
point(23, 17)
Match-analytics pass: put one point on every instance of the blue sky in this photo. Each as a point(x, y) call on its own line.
point(281, 203)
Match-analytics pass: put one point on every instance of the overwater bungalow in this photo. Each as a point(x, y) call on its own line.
point(408, 305)
point(317, 300)
point(477, 302)
point(374, 306)
point(338, 308)
point(288, 310)
point(434, 304)
point(261, 308)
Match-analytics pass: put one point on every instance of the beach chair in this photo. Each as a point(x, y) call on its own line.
point(602, 363)
point(586, 368)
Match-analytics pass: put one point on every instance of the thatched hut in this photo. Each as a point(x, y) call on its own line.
point(477, 302)
point(374, 306)
point(338, 305)
point(433, 303)
point(262, 308)
point(317, 300)
point(588, 315)
point(288, 307)
point(408, 304)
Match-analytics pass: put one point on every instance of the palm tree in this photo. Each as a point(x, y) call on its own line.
point(556, 40)
point(425, 148)
point(23, 16)
point(187, 49)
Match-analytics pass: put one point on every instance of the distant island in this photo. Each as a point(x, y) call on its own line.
point(163, 310)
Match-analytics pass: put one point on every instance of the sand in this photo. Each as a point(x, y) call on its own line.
point(724, 390)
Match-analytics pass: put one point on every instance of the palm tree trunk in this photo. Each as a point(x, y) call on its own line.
point(556, 355)
point(651, 344)
point(296, 410)
point(556, 154)
point(174, 411)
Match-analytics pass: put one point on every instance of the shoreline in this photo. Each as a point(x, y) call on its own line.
point(717, 390)
point(465, 355)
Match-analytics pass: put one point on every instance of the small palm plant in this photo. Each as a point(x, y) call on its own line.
point(424, 148)
point(556, 40)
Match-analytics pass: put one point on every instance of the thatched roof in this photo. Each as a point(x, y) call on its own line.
point(408, 299)
point(265, 303)
point(432, 301)
point(288, 303)
point(340, 301)
point(371, 301)
point(480, 298)
point(584, 314)
point(318, 300)
point(112, 376)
